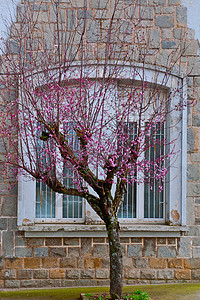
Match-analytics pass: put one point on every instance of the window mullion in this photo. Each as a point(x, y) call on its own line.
point(140, 189)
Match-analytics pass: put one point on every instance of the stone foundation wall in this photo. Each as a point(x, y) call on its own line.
point(62, 262)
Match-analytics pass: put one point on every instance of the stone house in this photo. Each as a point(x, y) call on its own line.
point(36, 252)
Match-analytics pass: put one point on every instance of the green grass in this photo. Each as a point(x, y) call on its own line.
point(157, 292)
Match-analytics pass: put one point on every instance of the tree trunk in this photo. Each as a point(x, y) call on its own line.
point(116, 264)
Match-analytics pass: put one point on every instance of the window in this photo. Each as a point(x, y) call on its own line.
point(46, 204)
point(143, 202)
point(146, 199)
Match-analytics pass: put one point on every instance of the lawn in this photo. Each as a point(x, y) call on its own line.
point(157, 292)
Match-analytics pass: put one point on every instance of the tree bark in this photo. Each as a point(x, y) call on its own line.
point(116, 263)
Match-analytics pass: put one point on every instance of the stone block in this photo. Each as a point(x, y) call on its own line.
point(86, 246)
point(127, 262)
point(169, 44)
point(184, 247)
point(91, 263)
point(193, 189)
point(161, 241)
point(98, 4)
point(20, 241)
point(196, 274)
point(154, 38)
point(190, 34)
point(135, 240)
point(165, 274)
point(40, 252)
point(174, 2)
point(100, 251)
point(162, 58)
point(141, 263)
point(9, 207)
point(165, 21)
point(165, 251)
point(190, 211)
point(171, 241)
point(68, 263)
point(84, 14)
point(8, 243)
point(85, 282)
point(105, 262)
point(12, 223)
point(157, 263)
point(39, 7)
point(74, 252)
point(131, 274)
point(2, 263)
point(195, 157)
point(196, 138)
point(146, 13)
point(3, 223)
point(148, 274)
point(196, 241)
point(73, 274)
point(166, 33)
point(196, 120)
point(53, 242)
point(57, 252)
point(9, 274)
point(50, 262)
point(57, 273)
point(190, 139)
point(42, 283)
point(12, 284)
point(157, 2)
point(183, 274)
point(68, 283)
point(71, 19)
point(13, 263)
point(40, 274)
point(24, 274)
point(32, 263)
point(189, 48)
point(23, 252)
point(124, 240)
point(168, 10)
point(102, 274)
point(36, 242)
point(71, 241)
point(90, 274)
point(149, 247)
point(175, 263)
point(196, 252)
point(181, 15)
point(193, 169)
point(134, 250)
point(58, 282)
point(28, 283)
point(40, 17)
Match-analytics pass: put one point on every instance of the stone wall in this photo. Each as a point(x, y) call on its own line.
point(44, 262)
point(63, 262)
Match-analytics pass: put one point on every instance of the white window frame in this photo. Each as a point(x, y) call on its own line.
point(176, 181)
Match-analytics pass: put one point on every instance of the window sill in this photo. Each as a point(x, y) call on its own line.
point(126, 230)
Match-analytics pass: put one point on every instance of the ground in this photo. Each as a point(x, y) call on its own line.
point(157, 292)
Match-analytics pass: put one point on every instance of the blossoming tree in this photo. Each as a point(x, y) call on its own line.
point(84, 109)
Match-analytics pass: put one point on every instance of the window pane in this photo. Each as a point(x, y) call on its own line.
point(72, 205)
point(45, 197)
point(128, 207)
point(153, 197)
point(45, 201)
